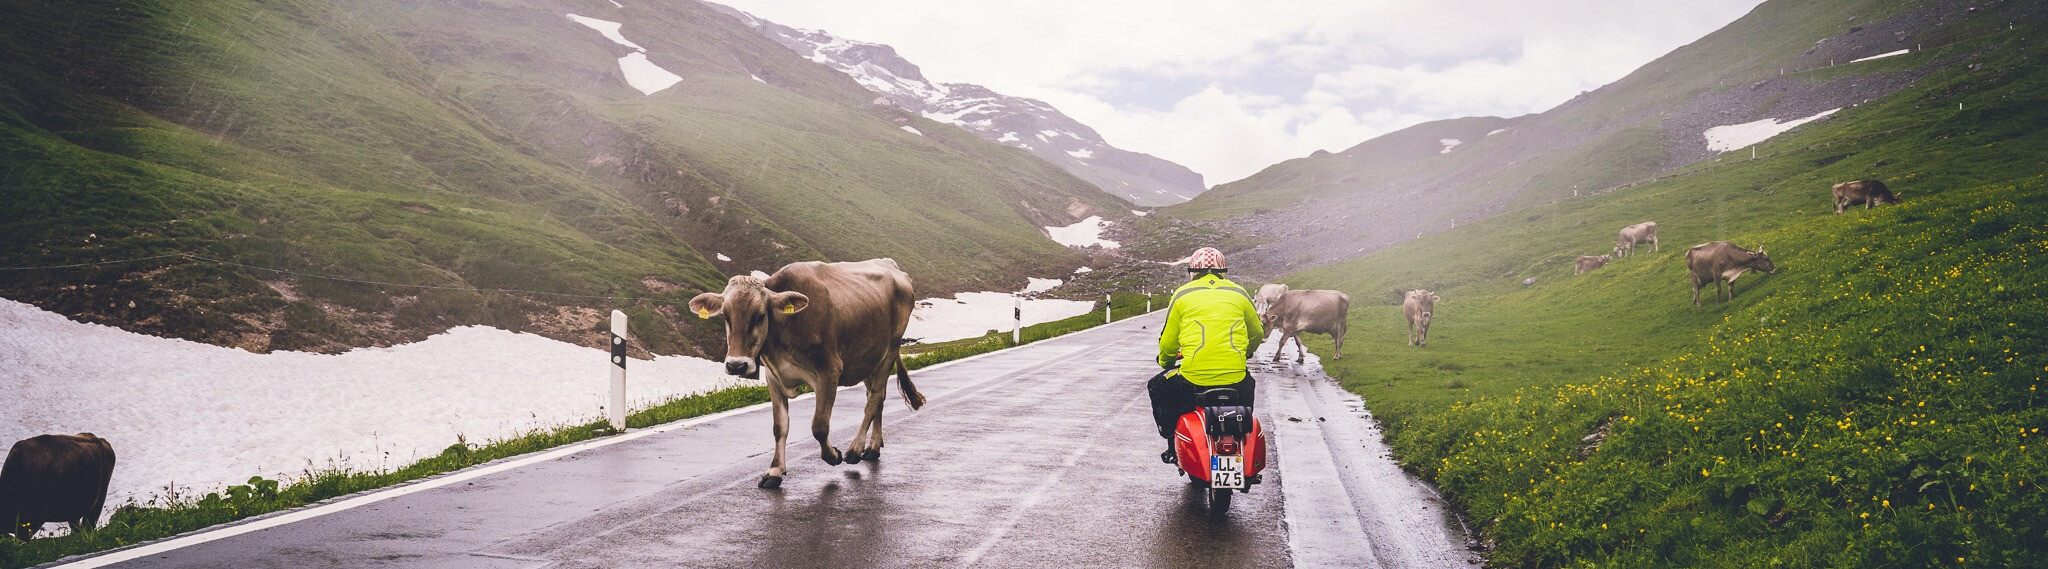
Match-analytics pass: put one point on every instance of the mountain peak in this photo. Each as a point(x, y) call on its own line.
point(1019, 122)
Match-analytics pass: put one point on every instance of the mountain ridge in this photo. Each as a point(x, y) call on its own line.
point(1021, 122)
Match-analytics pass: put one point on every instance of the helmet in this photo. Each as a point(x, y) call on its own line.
point(1205, 258)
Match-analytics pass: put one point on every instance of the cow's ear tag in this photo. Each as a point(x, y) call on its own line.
point(789, 309)
point(704, 313)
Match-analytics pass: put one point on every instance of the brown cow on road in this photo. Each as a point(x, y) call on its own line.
point(1299, 311)
point(1866, 192)
point(1723, 261)
point(1625, 242)
point(1267, 295)
point(55, 478)
point(1587, 263)
point(1418, 307)
point(824, 325)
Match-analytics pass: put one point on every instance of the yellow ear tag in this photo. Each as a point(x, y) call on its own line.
point(703, 313)
point(789, 309)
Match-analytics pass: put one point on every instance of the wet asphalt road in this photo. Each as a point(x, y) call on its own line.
point(1035, 457)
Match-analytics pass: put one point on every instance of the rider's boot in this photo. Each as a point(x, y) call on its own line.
point(1169, 456)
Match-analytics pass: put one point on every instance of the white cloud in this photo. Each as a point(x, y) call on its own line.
point(1229, 87)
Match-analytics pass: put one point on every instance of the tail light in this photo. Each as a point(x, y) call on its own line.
point(1226, 445)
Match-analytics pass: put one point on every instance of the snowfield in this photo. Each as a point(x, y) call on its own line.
point(640, 73)
point(912, 130)
point(1082, 234)
point(609, 28)
point(1883, 55)
point(1734, 136)
point(645, 75)
point(1449, 143)
point(971, 314)
point(1082, 153)
point(1038, 285)
point(204, 417)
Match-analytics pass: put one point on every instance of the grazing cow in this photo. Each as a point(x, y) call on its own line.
point(822, 325)
point(1866, 192)
point(1298, 311)
point(1587, 263)
point(1723, 261)
point(1267, 295)
point(1419, 306)
point(55, 478)
point(1626, 241)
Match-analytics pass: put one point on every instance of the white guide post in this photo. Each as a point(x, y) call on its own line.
point(617, 409)
point(1105, 310)
point(1017, 322)
point(1148, 302)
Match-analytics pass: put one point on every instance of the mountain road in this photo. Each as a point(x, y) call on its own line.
point(1038, 456)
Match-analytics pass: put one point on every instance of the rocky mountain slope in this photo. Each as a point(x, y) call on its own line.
point(1783, 62)
point(1029, 124)
point(319, 175)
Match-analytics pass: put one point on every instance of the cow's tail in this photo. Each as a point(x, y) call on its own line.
point(906, 388)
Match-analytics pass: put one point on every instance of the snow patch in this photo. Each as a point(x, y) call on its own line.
point(912, 130)
point(1082, 234)
point(205, 417)
point(1449, 143)
point(972, 314)
point(1082, 153)
point(1083, 270)
point(1009, 137)
point(1496, 131)
point(1734, 136)
point(1139, 213)
point(610, 30)
point(616, 4)
point(757, 78)
point(1038, 285)
point(645, 75)
point(1882, 55)
point(722, 257)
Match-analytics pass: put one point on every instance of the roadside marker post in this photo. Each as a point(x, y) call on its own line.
point(1105, 309)
point(617, 409)
point(1017, 322)
point(1148, 302)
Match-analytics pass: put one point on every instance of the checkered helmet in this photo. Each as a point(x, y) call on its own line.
point(1205, 258)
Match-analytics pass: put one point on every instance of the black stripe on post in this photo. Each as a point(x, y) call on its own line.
point(618, 351)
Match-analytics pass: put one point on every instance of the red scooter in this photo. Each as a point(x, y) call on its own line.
point(1220, 444)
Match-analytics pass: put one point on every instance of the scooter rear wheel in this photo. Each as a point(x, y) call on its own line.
point(1219, 501)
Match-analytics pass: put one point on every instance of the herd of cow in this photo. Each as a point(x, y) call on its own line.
point(820, 326)
point(1721, 262)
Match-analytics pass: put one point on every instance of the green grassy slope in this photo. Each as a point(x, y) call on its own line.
point(1609, 136)
point(1874, 403)
point(800, 163)
point(288, 136)
point(465, 145)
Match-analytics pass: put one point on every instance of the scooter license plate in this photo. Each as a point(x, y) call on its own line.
point(1226, 472)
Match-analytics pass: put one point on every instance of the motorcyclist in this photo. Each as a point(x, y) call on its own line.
point(1211, 329)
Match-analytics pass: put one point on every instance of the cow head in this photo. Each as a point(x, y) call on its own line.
point(750, 310)
point(1762, 261)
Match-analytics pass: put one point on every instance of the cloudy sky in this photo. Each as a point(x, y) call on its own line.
point(1227, 87)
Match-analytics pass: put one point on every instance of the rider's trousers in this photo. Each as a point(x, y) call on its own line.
point(1173, 396)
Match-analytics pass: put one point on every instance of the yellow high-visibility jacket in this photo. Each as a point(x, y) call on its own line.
point(1212, 328)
